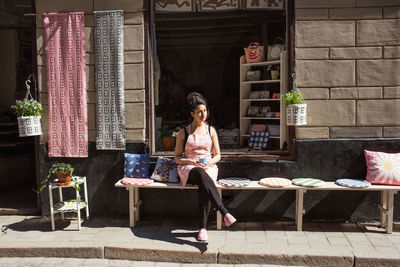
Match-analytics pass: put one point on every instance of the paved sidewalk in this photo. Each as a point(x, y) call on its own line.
point(243, 243)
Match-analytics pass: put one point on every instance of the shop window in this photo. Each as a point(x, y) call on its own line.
point(203, 52)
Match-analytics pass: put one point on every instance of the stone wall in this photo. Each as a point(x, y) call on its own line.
point(134, 62)
point(347, 66)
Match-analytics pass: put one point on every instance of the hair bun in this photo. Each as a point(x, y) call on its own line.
point(194, 99)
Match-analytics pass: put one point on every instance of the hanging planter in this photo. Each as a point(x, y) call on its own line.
point(28, 112)
point(296, 111)
point(296, 114)
point(29, 126)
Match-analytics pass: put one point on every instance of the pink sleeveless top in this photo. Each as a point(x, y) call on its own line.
point(197, 146)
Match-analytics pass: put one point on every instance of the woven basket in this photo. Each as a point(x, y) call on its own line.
point(29, 126)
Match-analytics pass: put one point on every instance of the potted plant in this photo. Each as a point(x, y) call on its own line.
point(28, 112)
point(63, 172)
point(296, 111)
point(168, 138)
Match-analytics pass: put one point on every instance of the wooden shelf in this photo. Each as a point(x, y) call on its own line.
point(261, 99)
point(264, 63)
point(262, 81)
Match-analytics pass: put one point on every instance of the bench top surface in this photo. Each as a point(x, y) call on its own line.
point(255, 186)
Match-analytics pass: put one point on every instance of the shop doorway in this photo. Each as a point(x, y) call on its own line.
point(18, 155)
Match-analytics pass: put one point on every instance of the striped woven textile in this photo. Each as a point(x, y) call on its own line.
point(66, 84)
point(109, 53)
point(275, 182)
point(234, 182)
point(308, 182)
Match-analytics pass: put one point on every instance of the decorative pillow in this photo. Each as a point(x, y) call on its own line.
point(308, 182)
point(258, 140)
point(383, 168)
point(165, 171)
point(136, 181)
point(354, 183)
point(275, 182)
point(136, 165)
point(234, 182)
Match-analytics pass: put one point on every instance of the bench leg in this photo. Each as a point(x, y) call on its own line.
point(136, 204)
point(299, 209)
point(383, 209)
point(219, 216)
point(389, 225)
point(131, 207)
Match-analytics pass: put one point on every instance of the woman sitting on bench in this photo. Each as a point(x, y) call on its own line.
point(195, 164)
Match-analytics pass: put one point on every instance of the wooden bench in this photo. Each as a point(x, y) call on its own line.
point(386, 205)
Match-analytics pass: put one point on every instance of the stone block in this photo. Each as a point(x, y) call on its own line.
point(391, 92)
point(367, 258)
point(91, 116)
point(40, 37)
point(391, 52)
point(134, 76)
point(135, 135)
point(90, 78)
point(325, 33)
point(91, 97)
point(378, 72)
point(134, 96)
point(134, 37)
point(315, 93)
point(312, 132)
point(355, 132)
point(311, 14)
point(356, 13)
point(312, 53)
point(391, 132)
point(41, 79)
point(331, 112)
point(134, 57)
point(378, 112)
point(378, 32)
point(117, 4)
point(324, 3)
point(356, 52)
point(391, 12)
point(356, 93)
point(44, 6)
point(364, 3)
point(91, 135)
point(133, 18)
point(135, 115)
point(89, 43)
point(325, 73)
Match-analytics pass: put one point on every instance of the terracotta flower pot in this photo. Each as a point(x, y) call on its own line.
point(168, 143)
point(64, 178)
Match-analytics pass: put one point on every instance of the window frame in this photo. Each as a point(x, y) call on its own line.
point(288, 154)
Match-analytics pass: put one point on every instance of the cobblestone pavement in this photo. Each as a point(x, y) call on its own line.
point(168, 241)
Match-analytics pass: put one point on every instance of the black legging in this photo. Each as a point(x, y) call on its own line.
point(208, 194)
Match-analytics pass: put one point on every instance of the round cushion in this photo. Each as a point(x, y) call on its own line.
point(353, 183)
point(308, 182)
point(137, 181)
point(234, 182)
point(275, 182)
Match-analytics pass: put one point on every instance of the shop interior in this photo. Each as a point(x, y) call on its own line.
point(201, 52)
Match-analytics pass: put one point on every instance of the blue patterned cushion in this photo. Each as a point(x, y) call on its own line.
point(165, 171)
point(136, 165)
point(353, 183)
point(258, 140)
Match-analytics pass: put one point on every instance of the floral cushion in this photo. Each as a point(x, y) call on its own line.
point(136, 181)
point(165, 171)
point(383, 168)
point(136, 165)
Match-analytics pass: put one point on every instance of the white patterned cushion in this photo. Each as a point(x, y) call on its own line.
point(308, 182)
point(234, 182)
point(275, 182)
point(136, 181)
point(354, 183)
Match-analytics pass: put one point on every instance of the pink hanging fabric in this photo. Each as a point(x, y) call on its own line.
point(66, 84)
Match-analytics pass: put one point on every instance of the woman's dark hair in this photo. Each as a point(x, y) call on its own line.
point(194, 99)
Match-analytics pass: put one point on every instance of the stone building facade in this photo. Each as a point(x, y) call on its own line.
point(347, 58)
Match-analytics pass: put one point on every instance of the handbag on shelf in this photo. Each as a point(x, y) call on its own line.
point(275, 50)
point(258, 139)
point(258, 128)
point(254, 53)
